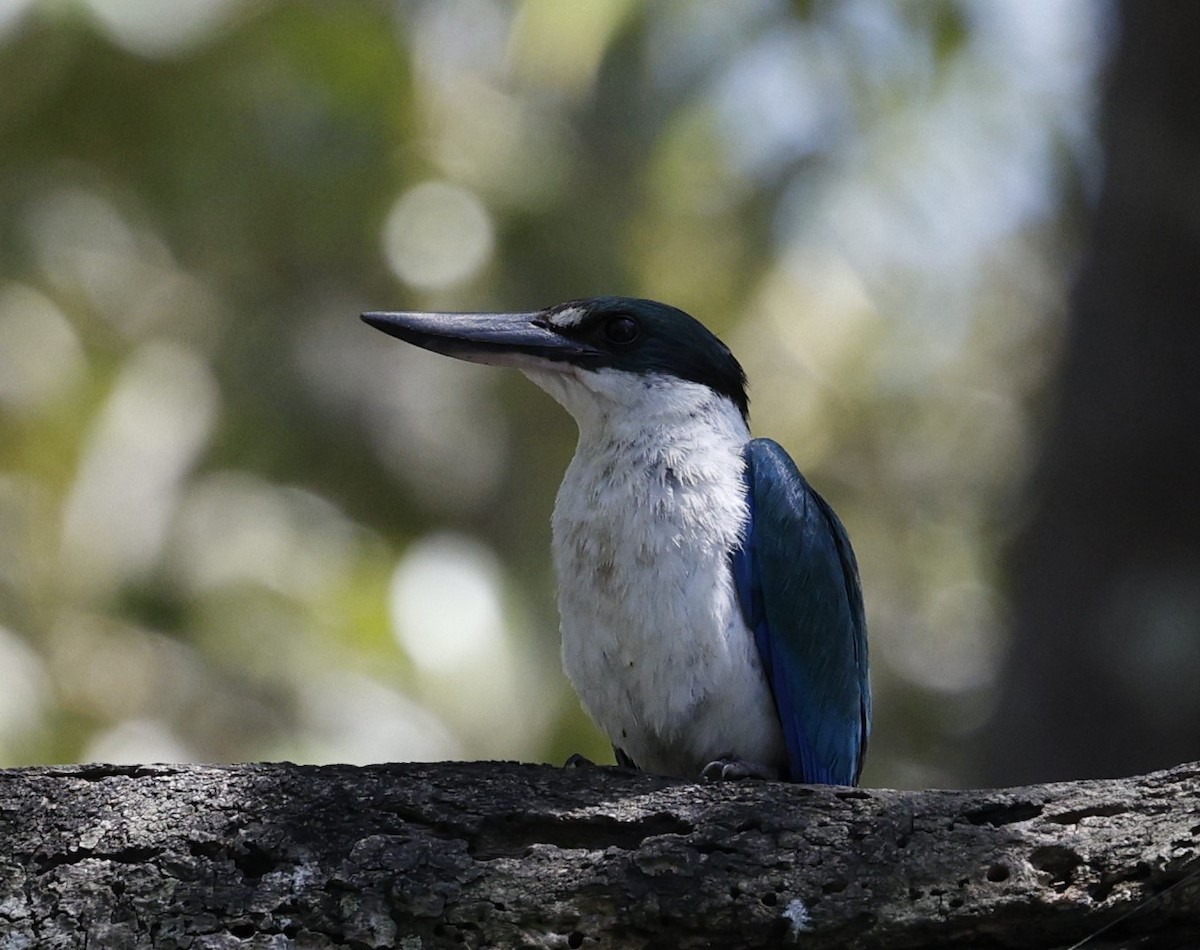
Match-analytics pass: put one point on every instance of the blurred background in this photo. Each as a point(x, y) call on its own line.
point(237, 524)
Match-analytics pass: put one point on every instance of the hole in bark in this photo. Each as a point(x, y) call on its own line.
point(241, 931)
point(204, 849)
point(998, 872)
point(955, 903)
point(770, 899)
point(1100, 891)
point(836, 886)
point(1092, 811)
point(449, 933)
point(252, 860)
point(118, 888)
point(575, 940)
point(735, 892)
point(1058, 862)
point(1003, 813)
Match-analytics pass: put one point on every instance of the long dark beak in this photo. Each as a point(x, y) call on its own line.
point(524, 340)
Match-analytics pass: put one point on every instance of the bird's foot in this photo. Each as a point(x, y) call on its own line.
point(731, 769)
point(623, 759)
point(577, 761)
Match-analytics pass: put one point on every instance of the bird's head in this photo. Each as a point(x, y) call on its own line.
point(619, 351)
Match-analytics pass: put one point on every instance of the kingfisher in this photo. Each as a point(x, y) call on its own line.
point(711, 609)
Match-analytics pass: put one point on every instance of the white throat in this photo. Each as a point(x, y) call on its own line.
point(651, 506)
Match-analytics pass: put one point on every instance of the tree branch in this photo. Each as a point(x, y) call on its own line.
point(497, 854)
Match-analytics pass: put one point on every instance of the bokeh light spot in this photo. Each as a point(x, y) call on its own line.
point(137, 740)
point(352, 718)
point(24, 688)
point(446, 601)
point(437, 235)
point(155, 29)
point(156, 423)
point(40, 355)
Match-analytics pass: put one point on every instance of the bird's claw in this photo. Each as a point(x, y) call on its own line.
point(577, 761)
point(733, 770)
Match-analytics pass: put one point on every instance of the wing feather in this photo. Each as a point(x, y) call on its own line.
point(798, 585)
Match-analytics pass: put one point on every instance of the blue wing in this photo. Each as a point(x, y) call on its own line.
point(797, 581)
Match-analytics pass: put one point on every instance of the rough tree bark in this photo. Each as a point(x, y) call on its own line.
point(504, 855)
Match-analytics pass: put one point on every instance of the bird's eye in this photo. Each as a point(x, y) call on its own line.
point(621, 330)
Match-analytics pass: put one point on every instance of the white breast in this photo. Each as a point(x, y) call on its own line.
point(652, 634)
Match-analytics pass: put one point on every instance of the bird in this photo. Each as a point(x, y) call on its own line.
point(711, 610)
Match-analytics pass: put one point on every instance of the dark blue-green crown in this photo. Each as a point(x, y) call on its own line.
point(644, 336)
